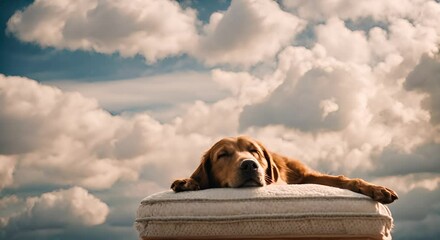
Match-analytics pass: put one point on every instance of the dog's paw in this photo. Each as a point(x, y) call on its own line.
point(381, 194)
point(185, 185)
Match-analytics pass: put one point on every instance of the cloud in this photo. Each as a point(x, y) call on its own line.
point(416, 213)
point(425, 78)
point(4, 202)
point(418, 229)
point(7, 166)
point(73, 207)
point(422, 159)
point(373, 112)
point(328, 106)
point(131, 28)
point(156, 94)
point(78, 143)
point(246, 88)
point(8, 208)
point(249, 32)
point(68, 140)
point(424, 202)
point(298, 102)
point(349, 104)
point(75, 142)
point(405, 183)
point(342, 43)
point(303, 102)
point(346, 9)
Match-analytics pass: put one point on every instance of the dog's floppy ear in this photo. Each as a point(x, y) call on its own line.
point(202, 174)
point(272, 169)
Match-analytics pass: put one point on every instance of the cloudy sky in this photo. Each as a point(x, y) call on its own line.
point(105, 102)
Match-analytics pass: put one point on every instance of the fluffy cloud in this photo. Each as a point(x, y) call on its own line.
point(247, 33)
point(352, 92)
point(346, 9)
point(304, 97)
point(341, 43)
point(137, 27)
point(75, 142)
point(51, 133)
point(246, 89)
point(60, 209)
point(328, 106)
point(156, 94)
point(409, 182)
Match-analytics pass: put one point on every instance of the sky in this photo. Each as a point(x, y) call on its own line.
point(105, 102)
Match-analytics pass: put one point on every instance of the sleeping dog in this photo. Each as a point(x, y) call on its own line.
point(245, 162)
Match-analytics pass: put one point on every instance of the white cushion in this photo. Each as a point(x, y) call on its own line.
point(271, 211)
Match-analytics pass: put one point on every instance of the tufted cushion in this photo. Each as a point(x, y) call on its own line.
point(274, 211)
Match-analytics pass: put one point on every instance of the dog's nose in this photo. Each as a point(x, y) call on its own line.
point(249, 166)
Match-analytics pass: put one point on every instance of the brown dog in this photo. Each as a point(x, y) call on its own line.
point(244, 162)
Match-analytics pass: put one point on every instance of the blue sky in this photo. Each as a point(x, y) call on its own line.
point(105, 102)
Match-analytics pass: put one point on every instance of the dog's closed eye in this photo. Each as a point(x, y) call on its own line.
point(223, 154)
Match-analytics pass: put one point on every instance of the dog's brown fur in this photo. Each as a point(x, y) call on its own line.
point(222, 166)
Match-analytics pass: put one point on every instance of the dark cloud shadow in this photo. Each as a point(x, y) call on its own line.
point(425, 158)
point(426, 78)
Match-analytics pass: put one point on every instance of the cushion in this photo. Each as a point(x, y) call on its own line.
point(274, 211)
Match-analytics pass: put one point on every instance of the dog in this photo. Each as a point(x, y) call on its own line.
point(244, 162)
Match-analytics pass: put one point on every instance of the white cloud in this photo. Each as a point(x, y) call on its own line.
point(164, 96)
point(218, 119)
point(330, 152)
point(58, 209)
point(249, 32)
point(410, 27)
point(328, 106)
point(344, 101)
point(62, 135)
point(302, 96)
point(341, 43)
point(346, 9)
point(245, 88)
point(365, 110)
point(74, 142)
point(130, 28)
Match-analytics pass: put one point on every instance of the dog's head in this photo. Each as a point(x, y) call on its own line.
point(236, 162)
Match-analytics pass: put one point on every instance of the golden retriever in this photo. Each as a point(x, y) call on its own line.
point(244, 162)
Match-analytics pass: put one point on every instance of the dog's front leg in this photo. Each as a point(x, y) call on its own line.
point(378, 193)
point(294, 172)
